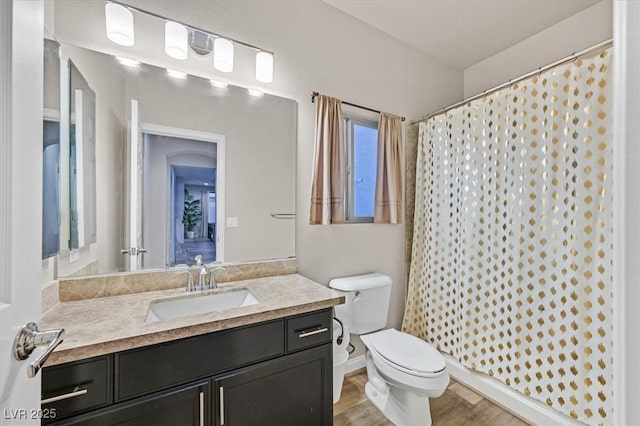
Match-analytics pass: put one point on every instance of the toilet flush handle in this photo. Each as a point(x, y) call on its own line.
point(356, 296)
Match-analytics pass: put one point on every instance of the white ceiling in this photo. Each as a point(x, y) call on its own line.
point(461, 33)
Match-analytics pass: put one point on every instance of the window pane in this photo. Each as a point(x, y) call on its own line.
point(365, 154)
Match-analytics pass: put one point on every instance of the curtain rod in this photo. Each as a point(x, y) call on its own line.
point(191, 27)
point(562, 61)
point(315, 94)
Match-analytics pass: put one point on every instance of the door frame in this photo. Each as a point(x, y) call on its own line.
point(21, 117)
point(219, 140)
point(626, 208)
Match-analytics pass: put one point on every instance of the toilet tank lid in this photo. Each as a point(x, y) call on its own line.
point(360, 282)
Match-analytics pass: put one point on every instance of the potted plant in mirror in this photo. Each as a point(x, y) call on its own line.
point(191, 213)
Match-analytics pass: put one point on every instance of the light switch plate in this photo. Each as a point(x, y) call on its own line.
point(232, 222)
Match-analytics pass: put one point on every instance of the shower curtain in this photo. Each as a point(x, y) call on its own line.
point(511, 271)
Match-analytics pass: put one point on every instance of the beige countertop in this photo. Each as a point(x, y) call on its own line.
point(112, 324)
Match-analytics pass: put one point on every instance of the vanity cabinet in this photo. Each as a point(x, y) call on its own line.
point(292, 390)
point(277, 372)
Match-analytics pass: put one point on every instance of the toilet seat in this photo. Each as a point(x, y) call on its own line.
point(407, 353)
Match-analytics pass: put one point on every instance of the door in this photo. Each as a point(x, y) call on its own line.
point(21, 76)
point(292, 390)
point(133, 238)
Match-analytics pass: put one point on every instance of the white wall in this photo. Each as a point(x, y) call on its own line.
point(51, 77)
point(576, 33)
point(318, 48)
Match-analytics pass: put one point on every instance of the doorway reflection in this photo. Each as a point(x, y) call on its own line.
point(179, 178)
point(195, 232)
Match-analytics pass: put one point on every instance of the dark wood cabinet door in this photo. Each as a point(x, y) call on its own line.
point(187, 405)
point(292, 390)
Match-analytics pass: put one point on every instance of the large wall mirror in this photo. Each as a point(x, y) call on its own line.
point(165, 167)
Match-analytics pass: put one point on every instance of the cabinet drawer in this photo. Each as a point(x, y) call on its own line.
point(149, 369)
point(76, 387)
point(187, 405)
point(307, 330)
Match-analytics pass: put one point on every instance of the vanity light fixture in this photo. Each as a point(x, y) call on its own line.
point(176, 74)
point(219, 84)
point(264, 67)
point(127, 62)
point(255, 92)
point(223, 55)
point(176, 40)
point(119, 23)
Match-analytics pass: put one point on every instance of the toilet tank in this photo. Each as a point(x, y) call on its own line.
point(366, 304)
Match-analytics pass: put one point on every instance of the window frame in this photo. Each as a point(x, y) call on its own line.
point(349, 122)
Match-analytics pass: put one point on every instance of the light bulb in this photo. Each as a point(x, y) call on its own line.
point(223, 54)
point(175, 40)
point(119, 22)
point(264, 67)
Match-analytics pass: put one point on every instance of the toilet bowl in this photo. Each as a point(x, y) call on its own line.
point(403, 371)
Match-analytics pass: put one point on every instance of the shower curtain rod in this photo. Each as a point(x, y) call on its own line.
point(562, 61)
point(315, 94)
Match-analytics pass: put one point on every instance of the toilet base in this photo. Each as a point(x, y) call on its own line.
point(401, 406)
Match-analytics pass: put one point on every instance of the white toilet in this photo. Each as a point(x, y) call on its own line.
point(403, 371)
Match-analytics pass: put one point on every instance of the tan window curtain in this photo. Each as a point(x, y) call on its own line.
point(327, 190)
point(388, 200)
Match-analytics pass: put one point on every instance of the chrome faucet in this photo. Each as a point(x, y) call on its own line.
point(190, 284)
point(212, 277)
point(202, 281)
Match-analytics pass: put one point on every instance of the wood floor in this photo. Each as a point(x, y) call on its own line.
point(456, 407)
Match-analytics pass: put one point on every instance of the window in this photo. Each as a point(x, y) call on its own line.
point(361, 142)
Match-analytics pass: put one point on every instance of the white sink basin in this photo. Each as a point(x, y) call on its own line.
point(196, 304)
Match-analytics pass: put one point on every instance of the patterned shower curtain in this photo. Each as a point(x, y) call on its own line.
point(511, 271)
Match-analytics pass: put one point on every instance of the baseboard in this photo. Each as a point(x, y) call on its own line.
point(526, 408)
point(355, 363)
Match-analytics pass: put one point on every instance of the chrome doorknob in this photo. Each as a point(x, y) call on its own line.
point(29, 338)
point(133, 251)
